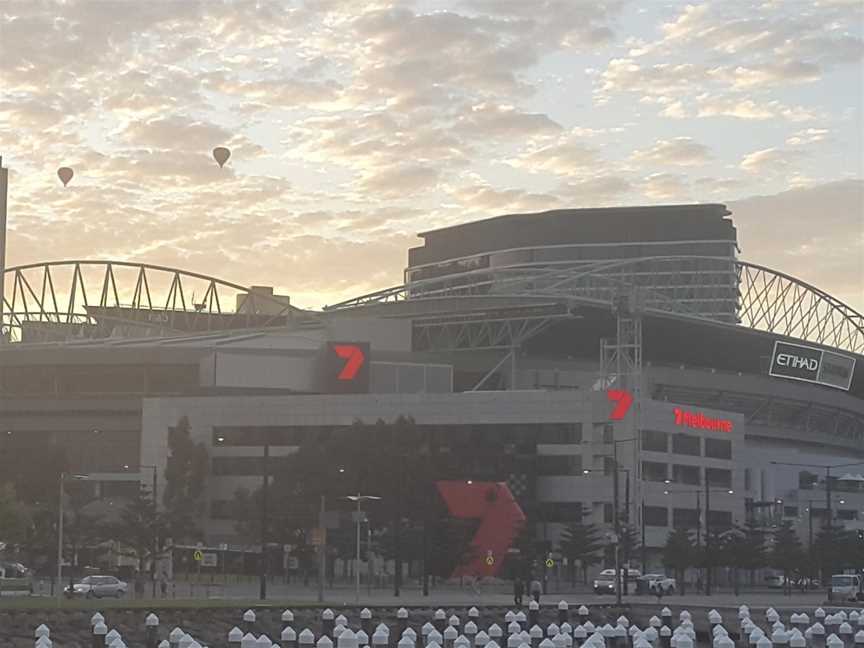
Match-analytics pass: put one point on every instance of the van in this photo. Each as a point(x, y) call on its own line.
point(846, 587)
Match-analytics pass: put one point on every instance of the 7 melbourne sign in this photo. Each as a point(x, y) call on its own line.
point(811, 364)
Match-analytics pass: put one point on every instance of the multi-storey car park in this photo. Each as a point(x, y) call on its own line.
point(507, 331)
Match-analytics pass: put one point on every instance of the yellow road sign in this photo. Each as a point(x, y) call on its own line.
point(550, 562)
point(490, 560)
point(198, 555)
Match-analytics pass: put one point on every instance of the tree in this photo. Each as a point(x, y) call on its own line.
point(679, 554)
point(186, 482)
point(141, 531)
point(582, 542)
point(786, 554)
point(831, 549)
point(14, 517)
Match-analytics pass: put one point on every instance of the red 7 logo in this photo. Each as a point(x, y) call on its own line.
point(354, 359)
point(623, 400)
point(500, 519)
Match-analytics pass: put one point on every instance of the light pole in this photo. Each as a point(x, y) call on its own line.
point(63, 477)
point(4, 189)
point(359, 498)
point(155, 540)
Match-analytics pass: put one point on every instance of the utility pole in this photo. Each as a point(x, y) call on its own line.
point(617, 524)
point(642, 522)
point(265, 466)
point(322, 551)
point(707, 537)
point(4, 189)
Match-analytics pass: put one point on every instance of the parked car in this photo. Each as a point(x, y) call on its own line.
point(15, 579)
point(775, 581)
point(657, 584)
point(98, 587)
point(605, 581)
point(846, 587)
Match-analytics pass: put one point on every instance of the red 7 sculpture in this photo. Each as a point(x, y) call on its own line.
point(354, 359)
point(623, 400)
point(500, 520)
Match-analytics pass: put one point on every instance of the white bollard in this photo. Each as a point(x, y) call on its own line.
point(779, 638)
point(552, 630)
point(833, 641)
point(481, 639)
point(450, 635)
point(495, 633)
point(566, 629)
point(579, 635)
point(514, 628)
point(764, 642)
point(514, 641)
point(435, 637)
point(859, 639)
point(288, 637)
point(341, 620)
point(380, 638)
point(563, 612)
point(454, 621)
point(347, 639)
point(589, 628)
point(521, 619)
point(619, 636)
point(536, 634)
point(558, 641)
point(846, 634)
point(584, 615)
point(797, 641)
point(306, 638)
point(470, 631)
point(362, 638)
point(263, 641)
point(652, 635)
point(324, 642)
point(817, 633)
point(724, 641)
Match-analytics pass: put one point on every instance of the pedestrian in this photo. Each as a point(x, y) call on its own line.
point(163, 584)
point(518, 591)
point(536, 589)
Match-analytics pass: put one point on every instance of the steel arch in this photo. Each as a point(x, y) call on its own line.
point(92, 297)
point(717, 289)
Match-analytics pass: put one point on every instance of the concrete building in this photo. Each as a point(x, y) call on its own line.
point(508, 331)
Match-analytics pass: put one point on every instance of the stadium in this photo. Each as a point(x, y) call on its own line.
point(747, 384)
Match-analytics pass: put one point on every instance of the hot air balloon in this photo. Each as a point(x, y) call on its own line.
point(221, 155)
point(65, 174)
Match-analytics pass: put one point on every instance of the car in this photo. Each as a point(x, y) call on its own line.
point(15, 579)
point(846, 587)
point(658, 583)
point(605, 581)
point(98, 587)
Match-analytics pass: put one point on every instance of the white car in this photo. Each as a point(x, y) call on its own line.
point(605, 581)
point(659, 583)
point(98, 587)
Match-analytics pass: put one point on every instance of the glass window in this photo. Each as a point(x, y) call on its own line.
point(655, 441)
point(686, 444)
point(719, 477)
point(685, 518)
point(719, 520)
point(686, 474)
point(559, 465)
point(847, 514)
point(560, 433)
point(790, 511)
point(748, 479)
point(806, 480)
point(654, 471)
point(718, 448)
point(608, 433)
point(656, 516)
point(607, 513)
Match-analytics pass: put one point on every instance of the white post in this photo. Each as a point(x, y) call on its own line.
point(4, 187)
point(357, 563)
point(60, 542)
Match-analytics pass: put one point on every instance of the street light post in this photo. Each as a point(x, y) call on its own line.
point(4, 188)
point(63, 476)
point(155, 540)
point(358, 498)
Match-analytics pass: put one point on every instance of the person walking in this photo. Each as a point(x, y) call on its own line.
point(536, 589)
point(518, 591)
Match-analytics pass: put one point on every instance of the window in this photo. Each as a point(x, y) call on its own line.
point(719, 477)
point(686, 474)
point(559, 465)
point(560, 433)
point(608, 466)
point(685, 518)
point(847, 514)
point(720, 520)
point(607, 513)
point(608, 433)
point(790, 511)
point(654, 441)
point(245, 466)
point(654, 471)
point(561, 512)
point(806, 480)
point(686, 444)
point(748, 479)
point(718, 448)
point(656, 516)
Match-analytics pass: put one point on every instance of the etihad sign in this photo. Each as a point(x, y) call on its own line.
point(698, 421)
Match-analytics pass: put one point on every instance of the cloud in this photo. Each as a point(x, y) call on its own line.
point(485, 198)
point(807, 136)
point(769, 161)
point(565, 157)
point(815, 234)
point(665, 186)
point(681, 151)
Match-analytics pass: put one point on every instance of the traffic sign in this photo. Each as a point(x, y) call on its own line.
point(317, 537)
point(490, 560)
point(550, 562)
point(198, 555)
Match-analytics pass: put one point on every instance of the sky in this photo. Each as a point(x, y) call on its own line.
point(355, 124)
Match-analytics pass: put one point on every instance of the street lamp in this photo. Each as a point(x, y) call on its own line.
point(4, 186)
point(63, 478)
point(359, 498)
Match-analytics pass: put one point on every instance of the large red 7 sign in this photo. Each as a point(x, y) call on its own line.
point(500, 520)
point(623, 400)
point(354, 359)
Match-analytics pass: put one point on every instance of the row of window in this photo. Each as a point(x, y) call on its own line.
point(686, 444)
point(655, 516)
point(681, 474)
